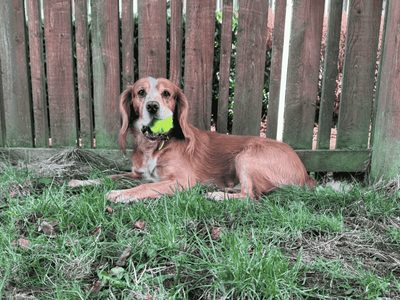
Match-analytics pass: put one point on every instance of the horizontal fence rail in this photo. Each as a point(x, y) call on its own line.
point(62, 71)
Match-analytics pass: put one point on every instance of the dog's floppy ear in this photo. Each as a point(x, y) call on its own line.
point(182, 110)
point(128, 115)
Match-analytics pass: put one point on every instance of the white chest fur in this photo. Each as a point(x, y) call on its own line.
point(149, 171)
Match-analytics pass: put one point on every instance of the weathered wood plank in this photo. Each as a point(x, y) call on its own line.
point(2, 113)
point(250, 64)
point(60, 75)
point(199, 50)
point(13, 55)
point(314, 160)
point(303, 69)
point(38, 76)
point(378, 83)
point(276, 69)
point(359, 73)
point(106, 72)
point(83, 73)
point(127, 30)
point(335, 160)
point(152, 38)
point(225, 66)
point(330, 74)
point(176, 42)
point(385, 155)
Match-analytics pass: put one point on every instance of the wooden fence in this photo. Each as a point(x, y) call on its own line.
point(62, 83)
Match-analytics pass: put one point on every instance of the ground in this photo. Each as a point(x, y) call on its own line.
point(58, 243)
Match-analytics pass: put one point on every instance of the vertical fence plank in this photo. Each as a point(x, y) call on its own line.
point(2, 114)
point(250, 64)
point(385, 155)
point(176, 42)
point(38, 77)
point(127, 30)
point(199, 50)
point(60, 75)
point(330, 74)
point(276, 69)
point(83, 73)
point(302, 81)
point(106, 72)
point(13, 55)
point(152, 38)
point(225, 66)
point(359, 73)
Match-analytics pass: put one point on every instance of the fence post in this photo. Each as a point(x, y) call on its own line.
point(13, 55)
point(250, 65)
point(276, 68)
point(2, 114)
point(84, 73)
point(303, 69)
point(364, 20)
point(38, 77)
point(152, 38)
point(127, 30)
point(60, 72)
point(386, 144)
point(176, 42)
point(106, 72)
point(199, 50)
point(225, 67)
point(330, 74)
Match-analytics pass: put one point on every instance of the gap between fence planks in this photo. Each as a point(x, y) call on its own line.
point(18, 128)
point(38, 76)
point(303, 69)
point(359, 73)
point(250, 64)
point(225, 66)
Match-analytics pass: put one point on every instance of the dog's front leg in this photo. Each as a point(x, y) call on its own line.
point(81, 183)
point(149, 190)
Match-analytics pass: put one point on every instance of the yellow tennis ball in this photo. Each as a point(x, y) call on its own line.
point(161, 126)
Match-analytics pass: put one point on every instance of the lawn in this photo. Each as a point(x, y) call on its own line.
point(58, 243)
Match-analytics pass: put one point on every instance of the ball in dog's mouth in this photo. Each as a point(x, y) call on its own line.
point(153, 136)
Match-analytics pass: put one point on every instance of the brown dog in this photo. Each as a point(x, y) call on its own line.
point(185, 155)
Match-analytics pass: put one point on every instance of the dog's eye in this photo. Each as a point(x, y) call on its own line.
point(142, 93)
point(166, 94)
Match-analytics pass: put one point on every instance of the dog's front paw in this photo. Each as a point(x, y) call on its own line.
point(217, 196)
point(81, 183)
point(120, 197)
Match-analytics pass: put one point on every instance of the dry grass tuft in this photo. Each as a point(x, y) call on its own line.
point(388, 187)
point(9, 156)
point(72, 163)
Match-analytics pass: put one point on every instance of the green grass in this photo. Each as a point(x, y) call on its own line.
point(293, 244)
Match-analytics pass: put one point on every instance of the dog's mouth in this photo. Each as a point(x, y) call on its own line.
point(154, 136)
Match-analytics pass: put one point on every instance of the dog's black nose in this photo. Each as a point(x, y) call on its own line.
point(152, 107)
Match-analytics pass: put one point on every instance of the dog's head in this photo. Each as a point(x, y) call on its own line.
point(149, 99)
